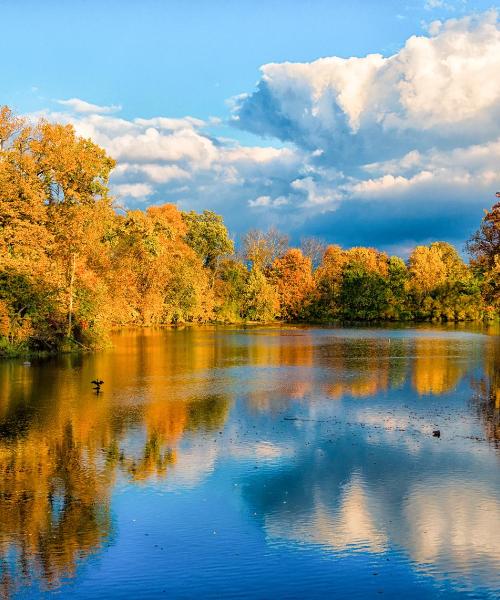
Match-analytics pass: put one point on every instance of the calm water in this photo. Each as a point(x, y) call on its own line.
point(261, 462)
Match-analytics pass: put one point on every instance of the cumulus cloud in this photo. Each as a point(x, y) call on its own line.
point(133, 190)
point(267, 201)
point(395, 144)
point(80, 106)
point(387, 151)
point(164, 159)
point(439, 91)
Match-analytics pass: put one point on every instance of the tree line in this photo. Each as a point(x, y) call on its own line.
point(72, 266)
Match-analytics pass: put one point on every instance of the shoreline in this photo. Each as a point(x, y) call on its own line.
point(482, 326)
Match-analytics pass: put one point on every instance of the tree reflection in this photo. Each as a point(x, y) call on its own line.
point(436, 368)
point(486, 399)
point(62, 449)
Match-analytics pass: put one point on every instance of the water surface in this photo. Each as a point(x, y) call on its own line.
point(255, 462)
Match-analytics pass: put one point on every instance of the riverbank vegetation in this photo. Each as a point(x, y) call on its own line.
point(72, 265)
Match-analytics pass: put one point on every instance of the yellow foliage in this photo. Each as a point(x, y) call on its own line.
point(294, 283)
point(427, 268)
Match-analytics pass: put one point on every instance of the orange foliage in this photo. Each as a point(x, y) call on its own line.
point(294, 283)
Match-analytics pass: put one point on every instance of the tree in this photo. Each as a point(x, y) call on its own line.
point(230, 287)
point(261, 248)
point(314, 249)
point(484, 246)
point(74, 174)
point(166, 281)
point(261, 301)
point(328, 277)
point(23, 210)
point(441, 285)
point(294, 282)
point(53, 194)
point(208, 237)
point(364, 294)
point(371, 260)
point(426, 268)
point(455, 268)
point(397, 289)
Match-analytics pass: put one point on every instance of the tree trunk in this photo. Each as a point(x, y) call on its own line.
point(71, 286)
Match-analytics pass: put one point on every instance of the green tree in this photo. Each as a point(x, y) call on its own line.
point(208, 237)
point(364, 294)
point(397, 281)
point(260, 298)
point(230, 289)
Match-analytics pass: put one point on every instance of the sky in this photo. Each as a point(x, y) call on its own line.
point(361, 122)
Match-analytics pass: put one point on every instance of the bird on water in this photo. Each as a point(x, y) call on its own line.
point(97, 385)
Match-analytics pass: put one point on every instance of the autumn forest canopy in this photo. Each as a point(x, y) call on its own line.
point(73, 265)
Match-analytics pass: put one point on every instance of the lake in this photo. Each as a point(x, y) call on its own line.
point(259, 462)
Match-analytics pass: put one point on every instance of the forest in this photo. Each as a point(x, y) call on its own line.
point(73, 265)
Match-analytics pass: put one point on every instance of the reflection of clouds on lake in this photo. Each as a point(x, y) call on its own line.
point(356, 489)
point(193, 465)
point(454, 526)
point(450, 527)
point(260, 451)
point(330, 437)
point(350, 526)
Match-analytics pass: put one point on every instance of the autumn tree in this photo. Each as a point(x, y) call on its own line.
point(260, 300)
point(74, 173)
point(484, 247)
point(427, 269)
point(230, 289)
point(441, 285)
point(261, 248)
point(292, 274)
point(328, 278)
point(373, 261)
point(397, 280)
point(166, 281)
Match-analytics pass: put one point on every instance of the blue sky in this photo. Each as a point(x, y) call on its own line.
point(255, 157)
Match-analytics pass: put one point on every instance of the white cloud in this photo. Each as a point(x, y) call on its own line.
point(168, 124)
point(156, 173)
point(322, 193)
point(133, 190)
point(451, 6)
point(386, 151)
point(260, 201)
point(156, 155)
point(439, 90)
point(80, 106)
point(268, 201)
point(431, 4)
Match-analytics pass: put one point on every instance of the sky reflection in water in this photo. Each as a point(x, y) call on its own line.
point(255, 462)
